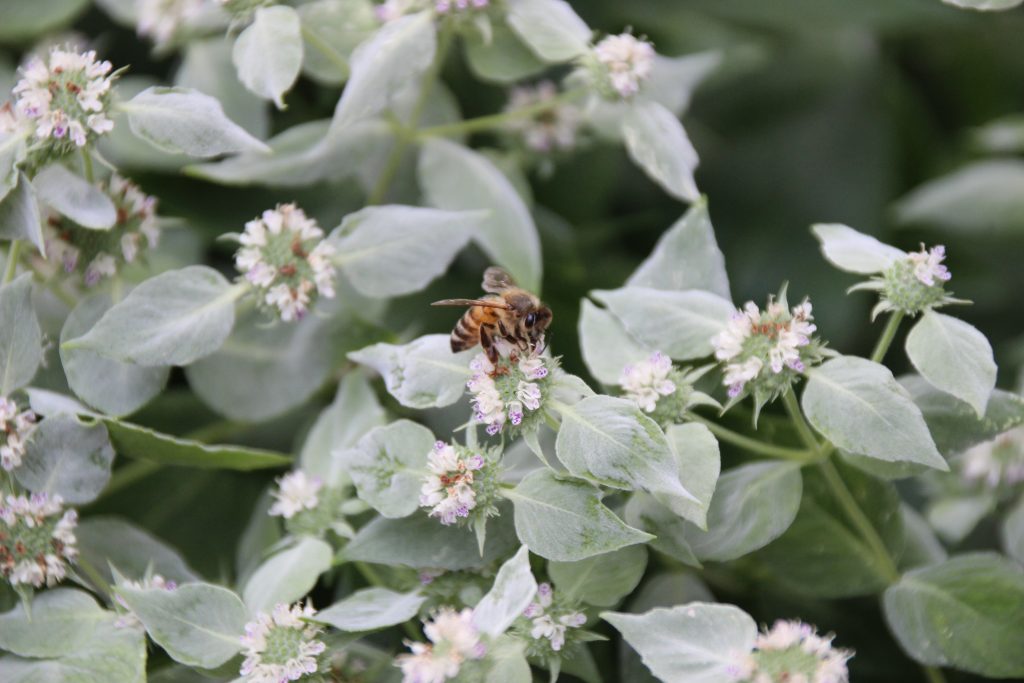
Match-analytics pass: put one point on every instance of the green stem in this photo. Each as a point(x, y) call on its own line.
point(887, 336)
point(394, 160)
point(864, 527)
point(799, 422)
point(93, 575)
point(87, 165)
point(13, 254)
point(745, 442)
point(493, 121)
point(332, 55)
point(933, 674)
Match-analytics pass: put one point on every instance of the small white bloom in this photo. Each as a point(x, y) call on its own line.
point(15, 428)
point(36, 539)
point(502, 394)
point(627, 62)
point(996, 462)
point(928, 265)
point(550, 130)
point(161, 20)
point(128, 618)
point(549, 622)
point(647, 381)
point(296, 492)
point(281, 646)
point(453, 638)
point(448, 487)
point(781, 653)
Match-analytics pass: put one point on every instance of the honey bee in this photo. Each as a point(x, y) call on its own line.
point(508, 312)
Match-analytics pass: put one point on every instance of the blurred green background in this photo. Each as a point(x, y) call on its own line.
point(822, 111)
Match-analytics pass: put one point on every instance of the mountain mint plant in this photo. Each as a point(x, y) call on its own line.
point(203, 432)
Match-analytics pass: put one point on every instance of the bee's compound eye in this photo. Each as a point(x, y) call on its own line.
point(531, 319)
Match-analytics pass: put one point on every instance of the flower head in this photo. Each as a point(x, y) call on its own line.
point(162, 20)
point(285, 257)
point(459, 483)
point(296, 491)
point(793, 651)
point(622, 63)
point(128, 618)
point(282, 645)
point(661, 389)
point(15, 427)
point(36, 539)
point(549, 621)
point(552, 130)
point(66, 96)
point(996, 463)
point(453, 640)
point(913, 284)
point(766, 351)
point(510, 391)
point(100, 253)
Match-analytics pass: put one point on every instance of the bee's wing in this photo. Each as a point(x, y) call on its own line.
point(489, 303)
point(497, 280)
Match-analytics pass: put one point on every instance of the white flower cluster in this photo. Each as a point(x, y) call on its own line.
point(296, 492)
point(647, 381)
point(996, 462)
point(15, 427)
point(102, 251)
point(448, 488)
point(553, 129)
point(754, 339)
point(281, 646)
point(928, 265)
point(504, 391)
point(160, 20)
point(551, 623)
point(128, 618)
point(284, 255)
point(36, 540)
point(453, 640)
point(912, 284)
point(792, 652)
point(65, 96)
point(625, 62)
point(447, 6)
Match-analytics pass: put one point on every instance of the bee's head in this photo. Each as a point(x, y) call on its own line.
point(536, 323)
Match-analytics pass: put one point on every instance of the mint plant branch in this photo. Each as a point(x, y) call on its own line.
point(753, 445)
point(324, 48)
point(497, 121)
point(888, 334)
point(13, 254)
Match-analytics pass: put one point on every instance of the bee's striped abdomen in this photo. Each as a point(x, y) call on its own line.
point(466, 334)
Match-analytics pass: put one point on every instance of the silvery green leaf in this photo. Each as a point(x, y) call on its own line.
point(858, 406)
point(21, 340)
point(268, 53)
point(963, 613)
point(109, 541)
point(340, 25)
point(513, 590)
point(114, 387)
point(984, 196)
point(198, 624)
point(126, 150)
point(389, 59)
point(143, 443)
point(610, 441)
point(1005, 135)
point(822, 553)
point(263, 370)
point(922, 546)
point(388, 251)
point(420, 542)
point(1012, 532)
point(954, 357)
point(13, 149)
point(354, 411)
point(68, 458)
point(955, 517)
point(73, 196)
point(175, 318)
point(674, 79)
point(853, 251)
point(564, 519)
point(985, 5)
point(699, 463)
point(371, 609)
point(606, 345)
point(657, 142)
point(601, 580)
point(883, 469)
point(457, 178)
point(186, 121)
point(551, 28)
point(679, 324)
point(421, 374)
point(693, 643)
point(45, 402)
point(506, 662)
point(502, 59)
point(753, 505)
point(61, 620)
point(206, 66)
point(686, 257)
point(388, 465)
point(23, 22)
point(671, 532)
point(287, 576)
point(19, 215)
point(954, 424)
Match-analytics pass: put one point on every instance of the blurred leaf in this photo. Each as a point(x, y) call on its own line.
point(287, 576)
point(141, 443)
point(601, 580)
point(19, 214)
point(607, 347)
point(68, 458)
point(206, 66)
point(922, 546)
point(503, 59)
point(985, 5)
point(513, 590)
point(388, 465)
point(1013, 532)
point(73, 196)
point(21, 343)
point(24, 21)
point(108, 541)
point(657, 142)
point(421, 374)
point(551, 28)
point(985, 196)
point(340, 25)
point(268, 52)
point(853, 251)
point(371, 609)
point(955, 517)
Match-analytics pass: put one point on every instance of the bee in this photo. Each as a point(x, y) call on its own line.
point(508, 312)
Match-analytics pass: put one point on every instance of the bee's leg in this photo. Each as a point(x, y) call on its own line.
point(489, 347)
